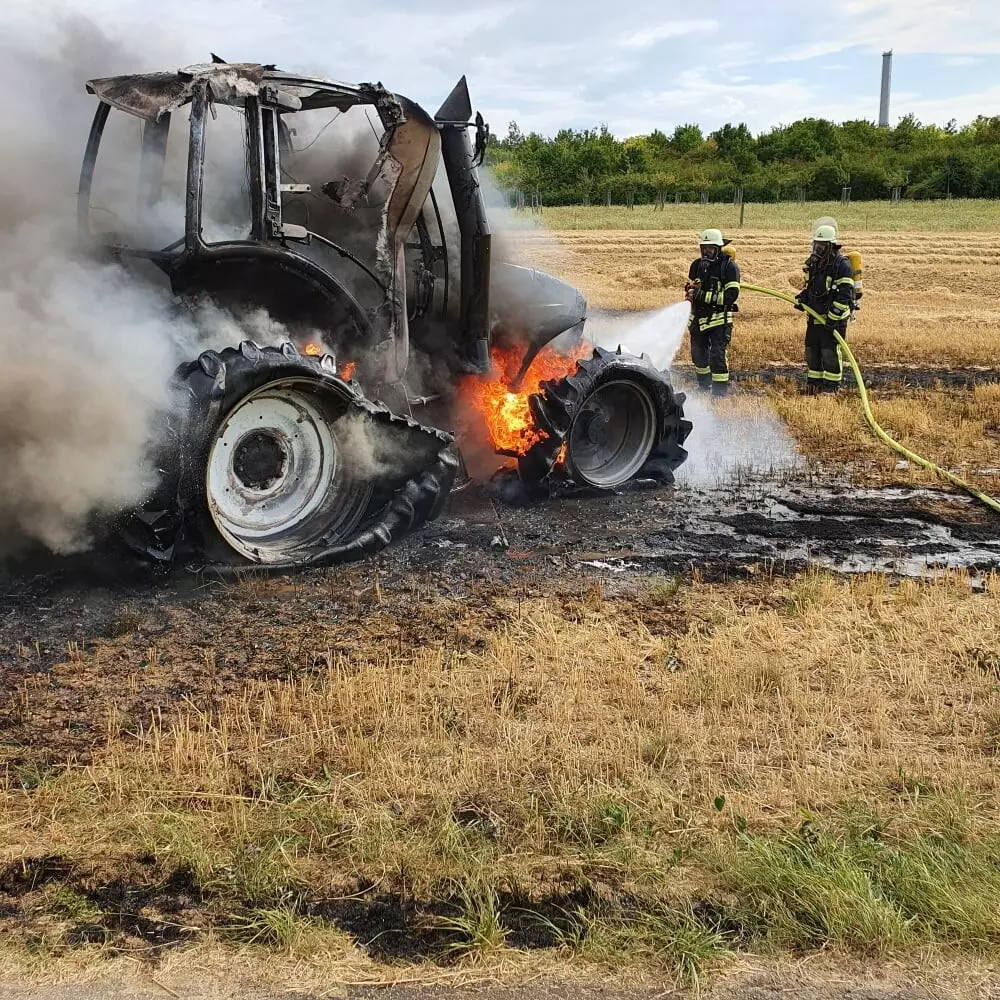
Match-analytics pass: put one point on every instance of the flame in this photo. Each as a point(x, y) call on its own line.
point(506, 413)
point(347, 370)
point(313, 350)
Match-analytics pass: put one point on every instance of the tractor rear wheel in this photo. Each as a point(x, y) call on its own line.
point(274, 461)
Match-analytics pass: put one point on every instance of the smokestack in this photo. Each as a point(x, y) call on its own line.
point(883, 108)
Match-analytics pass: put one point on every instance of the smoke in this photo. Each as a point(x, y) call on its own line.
point(82, 376)
point(373, 451)
point(86, 351)
point(335, 146)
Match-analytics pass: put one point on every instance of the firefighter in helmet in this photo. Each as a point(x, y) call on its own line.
point(713, 287)
point(829, 291)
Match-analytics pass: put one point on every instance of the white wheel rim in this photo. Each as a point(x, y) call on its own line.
point(612, 434)
point(276, 477)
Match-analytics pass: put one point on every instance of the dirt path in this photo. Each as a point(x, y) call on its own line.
point(741, 986)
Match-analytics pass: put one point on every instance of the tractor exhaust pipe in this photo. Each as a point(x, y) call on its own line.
point(453, 119)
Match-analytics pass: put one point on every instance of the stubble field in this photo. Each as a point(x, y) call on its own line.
point(531, 768)
point(927, 335)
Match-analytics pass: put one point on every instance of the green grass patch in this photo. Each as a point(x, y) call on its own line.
point(930, 216)
point(863, 890)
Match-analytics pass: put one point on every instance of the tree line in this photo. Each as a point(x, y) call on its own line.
point(811, 159)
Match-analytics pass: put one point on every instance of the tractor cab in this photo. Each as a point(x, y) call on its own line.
point(267, 190)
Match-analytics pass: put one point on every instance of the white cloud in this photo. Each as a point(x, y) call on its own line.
point(816, 50)
point(962, 107)
point(908, 27)
point(562, 64)
point(646, 38)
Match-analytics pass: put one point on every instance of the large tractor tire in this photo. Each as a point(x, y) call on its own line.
point(617, 417)
point(277, 463)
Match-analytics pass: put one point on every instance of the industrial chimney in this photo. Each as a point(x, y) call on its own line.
point(883, 108)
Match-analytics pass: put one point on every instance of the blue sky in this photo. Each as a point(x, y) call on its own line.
point(552, 64)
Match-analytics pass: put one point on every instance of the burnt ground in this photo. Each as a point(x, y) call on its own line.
point(745, 526)
point(886, 376)
point(197, 638)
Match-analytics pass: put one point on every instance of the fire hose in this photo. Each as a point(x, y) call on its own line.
point(883, 436)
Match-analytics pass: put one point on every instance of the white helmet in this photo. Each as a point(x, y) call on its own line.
point(712, 237)
point(825, 234)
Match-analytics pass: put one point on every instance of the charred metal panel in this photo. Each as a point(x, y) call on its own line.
point(533, 308)
point(416, 146)
point(193, 241)
point(272, 180)
point(152, 95)
point(87, 169)
point(255, 165)
point(470, 207)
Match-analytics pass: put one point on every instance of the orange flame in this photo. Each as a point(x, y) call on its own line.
point(347, 370)
point(506, 413)
point(313, 350)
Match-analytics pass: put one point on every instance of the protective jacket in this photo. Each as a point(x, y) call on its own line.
point(829, 290)
point(719, 287)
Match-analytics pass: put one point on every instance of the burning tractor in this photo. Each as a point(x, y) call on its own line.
point(390, 297)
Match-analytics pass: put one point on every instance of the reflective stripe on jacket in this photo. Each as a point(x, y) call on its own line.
point(720, 285)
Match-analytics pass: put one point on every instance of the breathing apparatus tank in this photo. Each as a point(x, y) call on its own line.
point(856, 266)
point(855, 259)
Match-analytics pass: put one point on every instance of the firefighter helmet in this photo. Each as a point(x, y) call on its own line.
point(825, 234)
point(711, 237)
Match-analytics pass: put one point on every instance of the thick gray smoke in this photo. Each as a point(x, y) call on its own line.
point(85, 353)
point(84, 371)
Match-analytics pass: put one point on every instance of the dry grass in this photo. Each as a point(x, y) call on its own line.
point(959, 429)
point(654, 781)
point(930, 216)
point(930, 298)
point(581, 747)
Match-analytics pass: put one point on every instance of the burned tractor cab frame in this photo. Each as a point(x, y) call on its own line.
point(305, 279)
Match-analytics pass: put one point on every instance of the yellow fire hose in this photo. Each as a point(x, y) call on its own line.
point(983, 498)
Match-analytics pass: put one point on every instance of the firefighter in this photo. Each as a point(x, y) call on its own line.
point(829, 291)
point(713, 287)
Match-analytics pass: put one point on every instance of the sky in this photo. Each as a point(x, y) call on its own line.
point(551, 64)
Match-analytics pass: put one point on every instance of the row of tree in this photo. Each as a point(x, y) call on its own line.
point(810, 159)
